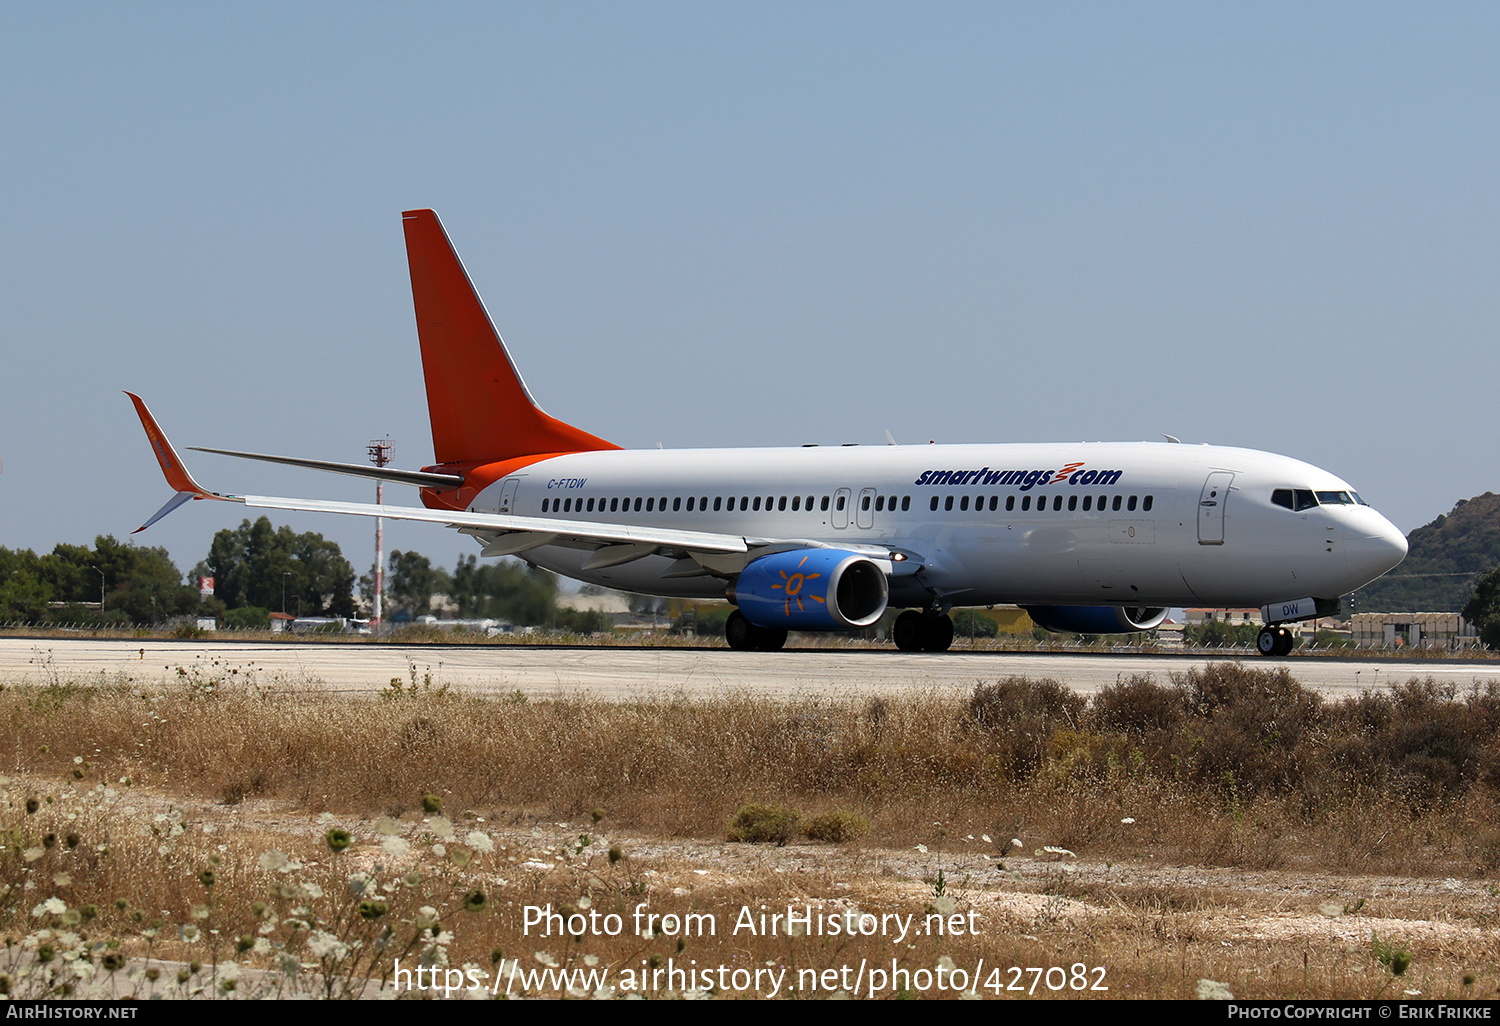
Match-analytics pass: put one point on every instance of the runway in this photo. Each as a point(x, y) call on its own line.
point(617, 673)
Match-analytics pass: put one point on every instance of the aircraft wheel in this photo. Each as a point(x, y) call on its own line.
point(739, 632)
point(769, 640)
point(1266, 642)
point(906, 632)
point(937, 635)
point(1284, 641)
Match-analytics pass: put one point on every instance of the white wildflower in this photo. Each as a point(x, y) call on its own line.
point(387, 826)
point(546, 959)
point(393, 846)
point(441, 826)
point(325, 945)
point(480, 841)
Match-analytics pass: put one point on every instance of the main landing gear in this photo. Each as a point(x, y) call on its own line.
point(922, 632)
point(1274, 641)
point(744, 636)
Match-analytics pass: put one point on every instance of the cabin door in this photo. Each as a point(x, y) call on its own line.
point(1211, 508)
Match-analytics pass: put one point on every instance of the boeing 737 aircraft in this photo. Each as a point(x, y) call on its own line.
point(1095, 538)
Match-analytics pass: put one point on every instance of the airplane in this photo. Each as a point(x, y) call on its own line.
point(1095, 538)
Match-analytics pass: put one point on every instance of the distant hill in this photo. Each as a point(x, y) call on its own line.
point(1445, 560)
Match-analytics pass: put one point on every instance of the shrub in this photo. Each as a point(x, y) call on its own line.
point(1017, 716)
point(761, 824)
point(837, 827)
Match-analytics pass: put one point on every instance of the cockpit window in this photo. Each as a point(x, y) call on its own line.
point(1282, 497)
point(1304, 499)
point(1357, 499)
point(1335, 499)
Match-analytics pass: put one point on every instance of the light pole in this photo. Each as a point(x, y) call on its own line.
point(284, 575)
point(101, 591)
point(380, 455)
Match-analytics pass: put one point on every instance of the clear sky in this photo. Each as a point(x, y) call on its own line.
point(745, 224)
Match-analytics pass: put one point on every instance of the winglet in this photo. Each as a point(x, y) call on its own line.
point(171, 466)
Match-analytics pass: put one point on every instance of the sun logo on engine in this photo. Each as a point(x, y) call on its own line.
point(792, 585)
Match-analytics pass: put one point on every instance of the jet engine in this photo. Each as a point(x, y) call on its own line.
point(1096, 619)
point(811, 590)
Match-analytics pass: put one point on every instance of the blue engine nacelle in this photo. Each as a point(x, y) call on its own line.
point(1095, 619)
point(811, 590)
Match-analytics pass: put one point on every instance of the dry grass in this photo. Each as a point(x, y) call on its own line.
point(599, 806)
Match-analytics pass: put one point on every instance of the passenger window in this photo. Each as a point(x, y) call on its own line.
point(1131, 504)
point(1041, 504)
point(757, 504)
point(963, 503)
point(614, 505)
point(796, 503)
point(1072, 503)
point(1088, 501)
point(703, 503)
point(1010, 503)
point(677, 504)
point(691, 500)
point(934, 503)
point(663, 504)
point(905, 503)
point(879, 504)
point(650, 505)
point(591, 505)
point(781, 504)
point(948, 503)
point(637, 505)
point(994, 503)
point(1116, 506)
point(718, 502)
point(1147, 504)
point(843, 497)
point(1025, 503)
point(864, 503)
point(1057, 504)
point(824, 505)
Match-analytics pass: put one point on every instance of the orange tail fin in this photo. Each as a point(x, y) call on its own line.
point(480, 408)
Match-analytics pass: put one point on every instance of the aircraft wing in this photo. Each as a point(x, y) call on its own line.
point(696, 552)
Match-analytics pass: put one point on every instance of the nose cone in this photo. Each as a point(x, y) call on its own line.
point(1373, 547)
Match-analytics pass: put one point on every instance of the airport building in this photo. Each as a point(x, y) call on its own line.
point(1414, 630)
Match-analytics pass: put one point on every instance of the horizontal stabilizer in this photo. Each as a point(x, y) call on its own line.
point(420, 478)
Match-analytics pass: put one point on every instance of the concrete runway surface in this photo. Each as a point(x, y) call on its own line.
point(632, 672)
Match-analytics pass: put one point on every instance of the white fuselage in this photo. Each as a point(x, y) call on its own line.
point(1134, 524)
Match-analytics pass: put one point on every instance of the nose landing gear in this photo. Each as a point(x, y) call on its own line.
point(1274, 641)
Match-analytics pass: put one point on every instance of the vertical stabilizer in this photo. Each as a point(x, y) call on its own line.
point(480, 408)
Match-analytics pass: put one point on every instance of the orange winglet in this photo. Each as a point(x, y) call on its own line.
point(171, 466)
point(480, 408)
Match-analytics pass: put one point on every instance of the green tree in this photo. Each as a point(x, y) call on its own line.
point(504, 590)
point(410, 582)
point(970, 623)
point(256, 564)
point(1483, 609)
point(137, 585)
